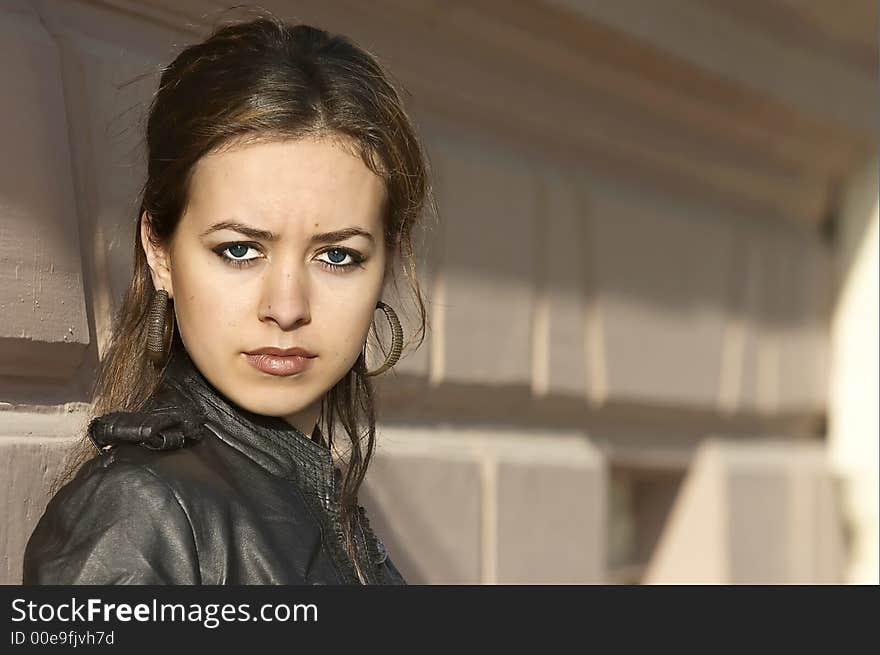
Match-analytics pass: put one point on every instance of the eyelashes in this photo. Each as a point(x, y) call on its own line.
point(239, 249)
point(237, 260)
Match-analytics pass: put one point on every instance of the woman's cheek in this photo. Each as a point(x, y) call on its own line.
point(203, 310)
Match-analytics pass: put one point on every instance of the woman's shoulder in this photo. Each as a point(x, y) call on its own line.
point(162, 443)
point(129, 477)
point(124, 467)
point(125, 477)
point(117, 482)
point(119, 509)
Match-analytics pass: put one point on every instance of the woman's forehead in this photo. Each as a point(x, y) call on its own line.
point(286, 184)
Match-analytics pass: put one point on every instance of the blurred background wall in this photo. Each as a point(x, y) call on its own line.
point(653, 293)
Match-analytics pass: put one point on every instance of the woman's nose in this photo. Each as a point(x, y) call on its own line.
point(284, 297)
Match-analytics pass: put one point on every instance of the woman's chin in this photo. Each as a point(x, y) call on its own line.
point(279, 407)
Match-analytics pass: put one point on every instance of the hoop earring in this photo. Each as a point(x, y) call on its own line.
point(160, 328)
point(396, 341)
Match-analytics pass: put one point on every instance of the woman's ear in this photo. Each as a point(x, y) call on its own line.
point(157, 257)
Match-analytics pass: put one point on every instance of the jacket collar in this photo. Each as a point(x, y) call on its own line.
point(270, 441)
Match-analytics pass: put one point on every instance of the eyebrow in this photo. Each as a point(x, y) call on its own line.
point(266, 235)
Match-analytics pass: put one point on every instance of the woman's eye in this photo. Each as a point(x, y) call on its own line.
point(337, 258)
point(236, 254)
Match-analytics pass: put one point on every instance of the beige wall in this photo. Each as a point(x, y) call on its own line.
point(760, 513)
point(853, 427)
point(628, 260)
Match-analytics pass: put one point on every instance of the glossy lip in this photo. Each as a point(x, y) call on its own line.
point(281, 352)
point(280, 361)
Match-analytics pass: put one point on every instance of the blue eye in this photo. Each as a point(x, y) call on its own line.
point(234, 254)
point(336, 253)
point(237, 252)
point(337, 256)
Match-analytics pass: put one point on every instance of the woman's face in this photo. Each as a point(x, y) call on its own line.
point(281, 246)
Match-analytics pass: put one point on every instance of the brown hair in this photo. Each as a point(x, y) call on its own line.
point(265, 80)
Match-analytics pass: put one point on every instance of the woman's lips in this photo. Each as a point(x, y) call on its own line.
point(278, 364)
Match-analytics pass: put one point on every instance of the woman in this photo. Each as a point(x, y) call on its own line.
point(284, 182)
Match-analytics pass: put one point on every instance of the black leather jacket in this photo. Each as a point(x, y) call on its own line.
point(196, 490)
